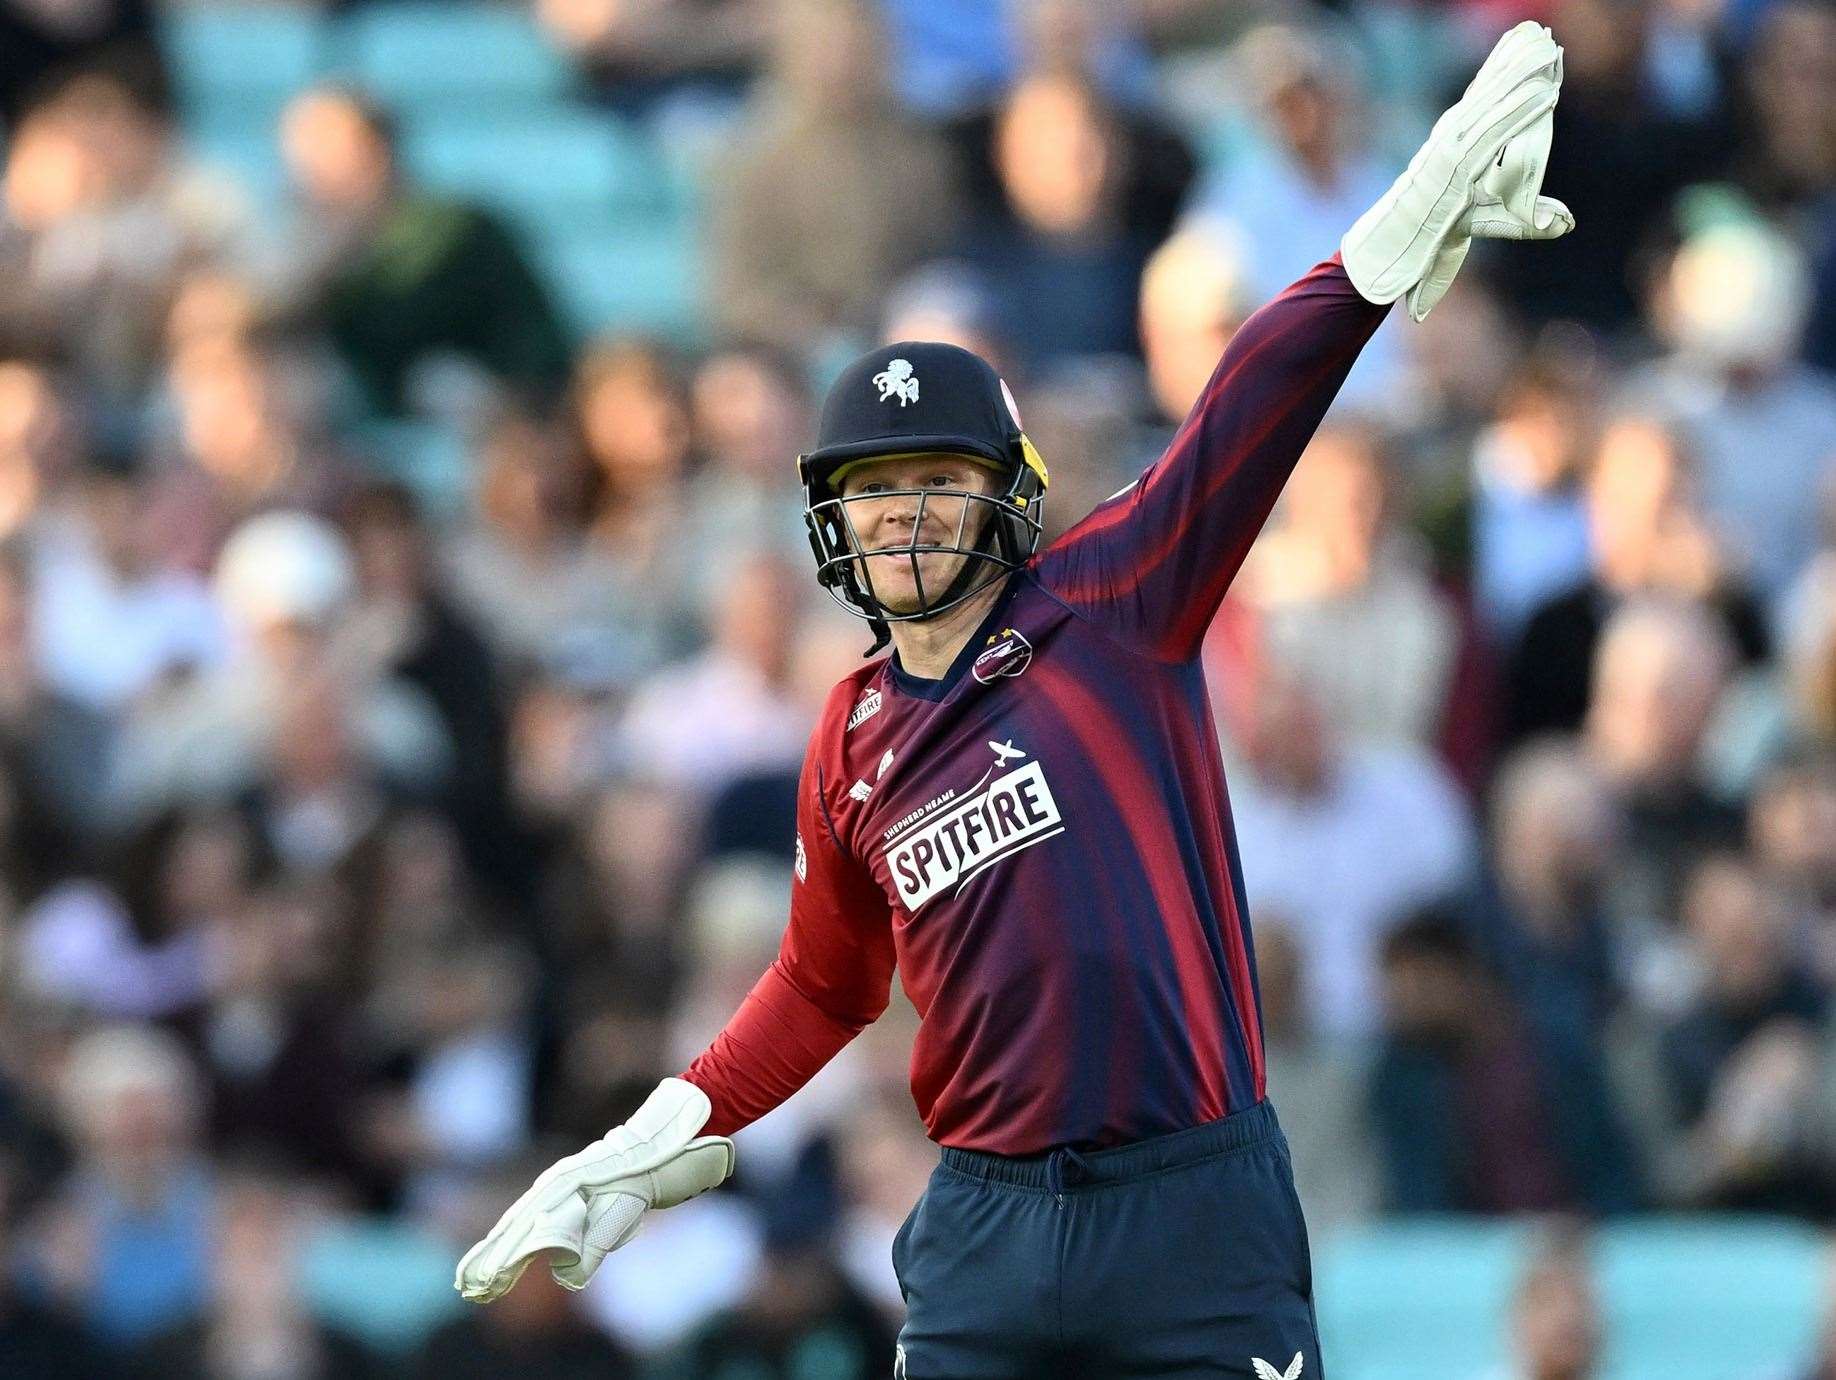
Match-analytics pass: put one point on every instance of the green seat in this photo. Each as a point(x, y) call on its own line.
point(628, 276)
point(458, 55)
point(1407, 1294)
point(254, 56)
point(385, 1283)
point(1704, 1298)
point(540, 164)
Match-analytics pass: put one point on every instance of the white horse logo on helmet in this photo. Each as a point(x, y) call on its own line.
point(896, 381)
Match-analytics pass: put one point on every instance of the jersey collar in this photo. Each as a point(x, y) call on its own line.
point(919, 687)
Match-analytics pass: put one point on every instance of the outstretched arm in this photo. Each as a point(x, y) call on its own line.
point(1153, 562)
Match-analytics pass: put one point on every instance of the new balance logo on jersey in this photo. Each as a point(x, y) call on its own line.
point(1265, 1371)
point(802, 864)
point(958, 836)
point(869, 706)
point(860, 790)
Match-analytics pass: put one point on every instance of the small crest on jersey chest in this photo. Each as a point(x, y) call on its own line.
point(1008, 654)
point(865, 708)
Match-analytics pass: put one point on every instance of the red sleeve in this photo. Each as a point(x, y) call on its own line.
point(1153, 561)
point(831, 980)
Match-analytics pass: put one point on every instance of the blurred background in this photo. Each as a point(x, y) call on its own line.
point(408, 645)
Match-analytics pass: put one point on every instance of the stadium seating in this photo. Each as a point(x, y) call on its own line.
point(469, 56)
point(1684, 1299)
point(637, 276)
point(488, 114)
point(250, 58)
point(541, 166)
point(386, 1285)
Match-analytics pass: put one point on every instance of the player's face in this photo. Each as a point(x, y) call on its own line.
point(887, 522)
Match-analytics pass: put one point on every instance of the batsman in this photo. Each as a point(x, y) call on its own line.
point(1022, 808)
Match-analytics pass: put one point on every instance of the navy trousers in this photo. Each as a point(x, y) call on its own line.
point(1181, 1257)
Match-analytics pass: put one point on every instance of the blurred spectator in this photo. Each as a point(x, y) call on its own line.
point(1557, 1332)
point(833, 192)
point(1659, 674)
point(1743, 1061)
point(1789, 163)
point(397, 276)
point(1762, 426)
point(800, 1304)
point(1539, 925)
point(44, 44)
point(1193, 298)
point(1301, 181)
point(102, 220)
point(1087, 45)
point(1619, 156)
point(255, 1326)
point(112, 618)
point(1063, 259)
point(523, 567)
point(631, 406)
point(293, 710)
point(42, 441)
point(279, 1044)
point(53, 748)
point(948, 300)
point(533, 1331)
point(37, 1342)
point(1529, 509)
point(735, 706)
point(1460, 1103)
point(1791, 836)
point(138, 942)
point(446, 1013)
point(414, 633)
point(1342, 838)
point(640, 57)
point(950, 54)
point(752, 416)
point(1304, 179)
point(1343, 595)
point(247, 434)
point(1318, 1083)
point(125, 1240)
point(1810, 650)
point(1648, 536)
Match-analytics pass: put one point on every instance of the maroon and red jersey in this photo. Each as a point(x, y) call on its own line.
point(1041, 840)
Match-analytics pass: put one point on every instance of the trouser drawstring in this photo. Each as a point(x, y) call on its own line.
point(1055, 1168)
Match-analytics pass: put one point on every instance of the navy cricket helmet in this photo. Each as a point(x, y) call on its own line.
point(920, 397)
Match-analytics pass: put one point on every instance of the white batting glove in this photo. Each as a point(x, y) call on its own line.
point(588, 1205)
point(1479, 174)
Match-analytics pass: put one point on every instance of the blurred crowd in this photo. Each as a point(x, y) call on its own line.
point(371, 833)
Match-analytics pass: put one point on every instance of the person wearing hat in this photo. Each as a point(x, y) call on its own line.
point(1023, 809)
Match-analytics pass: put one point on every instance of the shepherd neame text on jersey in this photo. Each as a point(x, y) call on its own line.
point(1011, 812)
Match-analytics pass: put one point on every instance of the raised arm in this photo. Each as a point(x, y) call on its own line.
point(1153, 561)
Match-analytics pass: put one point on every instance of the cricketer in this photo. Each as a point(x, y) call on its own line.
point(1022, 809)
